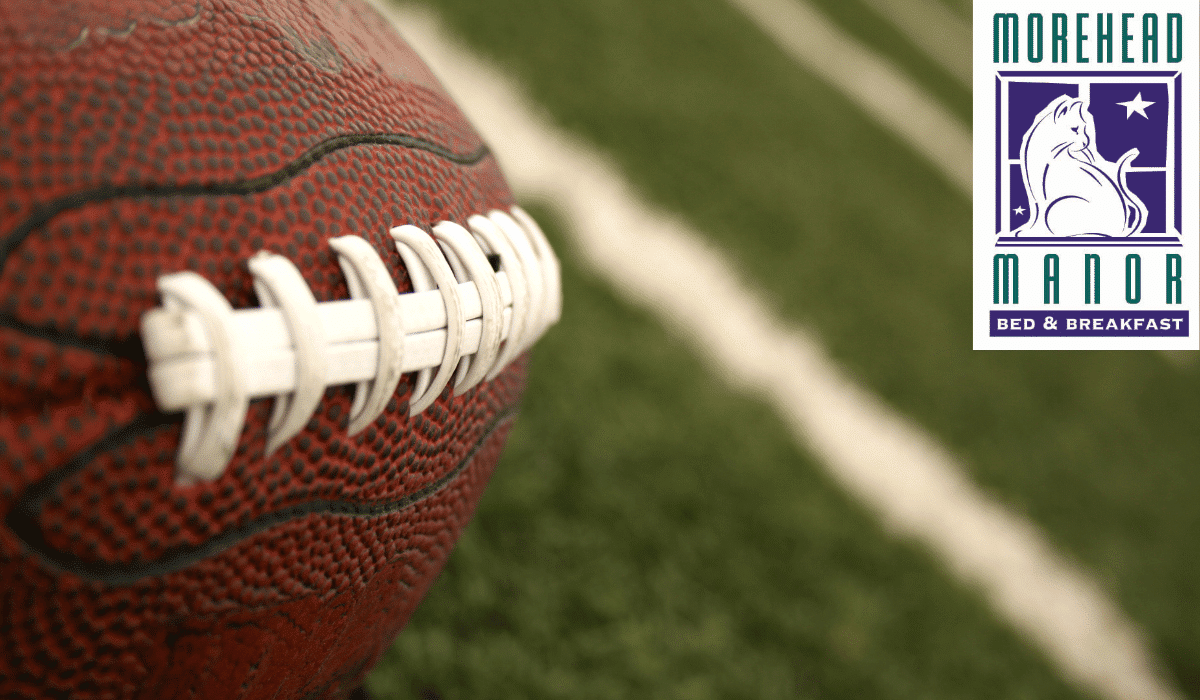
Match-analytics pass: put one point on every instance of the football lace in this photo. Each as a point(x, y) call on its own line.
point(481, 296)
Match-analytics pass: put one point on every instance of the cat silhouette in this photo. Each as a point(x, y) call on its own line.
point(1073, 191)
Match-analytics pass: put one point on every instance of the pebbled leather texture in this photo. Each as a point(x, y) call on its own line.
point(143, 137)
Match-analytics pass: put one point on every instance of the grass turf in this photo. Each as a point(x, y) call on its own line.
point(848, 232)
point(651, 534)
point(860, 22)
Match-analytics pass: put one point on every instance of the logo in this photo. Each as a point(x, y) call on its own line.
point(1086, 218)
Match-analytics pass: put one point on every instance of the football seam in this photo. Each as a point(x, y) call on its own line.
point(124, 347)
point(22, 518)
point(44, 214)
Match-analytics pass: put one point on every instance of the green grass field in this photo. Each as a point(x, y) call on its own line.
point(671, 541)
point(650, 533)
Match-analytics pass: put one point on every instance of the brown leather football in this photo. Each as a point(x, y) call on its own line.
point(266, 302)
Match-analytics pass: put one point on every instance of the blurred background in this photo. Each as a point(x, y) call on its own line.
point(661, 526)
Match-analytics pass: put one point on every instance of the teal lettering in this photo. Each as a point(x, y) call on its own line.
point(1133, 278)
point(1005, 23)
point(1080, 37)
point(1051, 279)
point(1149, 38)
point(1174, 37)
point(1034, 37)
point(997, 262)
point(1058, 37)
point(1091, 278)
point(1126, 37)
point(1104, 38)
point(1174, 278)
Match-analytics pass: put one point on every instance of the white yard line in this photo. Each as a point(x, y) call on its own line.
point(935, 29)
point(883, 92)
point(1182, 359)
point(881, 457)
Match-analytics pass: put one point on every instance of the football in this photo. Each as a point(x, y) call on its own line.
point(267, 302)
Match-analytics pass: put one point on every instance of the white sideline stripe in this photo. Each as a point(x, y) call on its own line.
point(1182, 359)
point(881, 457)
point(935, 29)
point(883, 92)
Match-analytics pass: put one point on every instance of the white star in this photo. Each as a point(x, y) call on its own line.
point(1019, 211)
point(1137, 104)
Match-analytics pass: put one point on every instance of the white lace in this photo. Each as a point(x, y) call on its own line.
point(462, 323)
